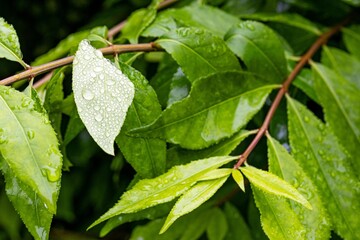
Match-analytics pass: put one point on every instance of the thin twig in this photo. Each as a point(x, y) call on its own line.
point(285, 86)
point(37, 70)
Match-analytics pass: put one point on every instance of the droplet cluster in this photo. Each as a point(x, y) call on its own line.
point(102, 94)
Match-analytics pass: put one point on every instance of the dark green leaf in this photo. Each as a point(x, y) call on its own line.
point(31, 208)
point(217, 107)
point(9, 43)
point(179, 87)
point(338, 96)
point(177, 155)
point(137, 22)
point(318, 153)
point(198, 52)
point(163, 24)
point(150, 192)
point(146, 156)
point(192, 199)
point(217, 226)
point(351, 38)
point(352, 2)
point(270, 183)
point(305, 81)
point(315, 221)
point(237, 225)
point(260, 48)
point(29, 145)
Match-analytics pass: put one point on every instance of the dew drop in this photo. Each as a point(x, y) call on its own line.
point(98, 117)
point(250, 26)
point(101, 76)
point(3, 139)
point(92, 74)
point(51, 174)
point(98, 54)
point(30, 134)
point(306, 119)
point(25, 102)
point(97, 108)
point(110, 82)
point(98, 69)
point(87, 94)
point(76, 61)
point(87, 57)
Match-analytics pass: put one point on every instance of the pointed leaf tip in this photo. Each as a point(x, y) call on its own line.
point(102, 94)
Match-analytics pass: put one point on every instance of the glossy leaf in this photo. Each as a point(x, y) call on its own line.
point(137, 22)
point(343, 63)
point(9, 43)
point(102, 94)
point(177, 155)
point(192, 199)
point(305, 81)
point(351, 39)
point(179, 87)
point(215, 174)
point(217, 226)
point(146, 156)
point(162, 24)
point(270, 183)
point(217, 107)
point(29, 145)
point(260, 48)
point(28, 204)
point(150, 192)
point(338, 96)
point(63, 47)
point(237, 225)
point(277, 218)
point(198, 52)
point(315, 221)
point(239, 178)
point(317, 151)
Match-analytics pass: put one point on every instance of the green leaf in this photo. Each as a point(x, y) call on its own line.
point(271, 183)
point(215, 174)
point(352, 2)
point(338, 96)
point(31, 208)
point(198, 224)
point(239, 178)
point(260, 48)
point(198, 52)
point(9, 43)
point(197, 15)
point(146, 156)
point(299, 32)
point(343, 63)
point(237, 225)
point(162, 24)
point(317, 151)
point(29, 145)
point(177, 155)
point(179, 87)
point(217, 226)
point(53, 100)
point(192, 199)
point(137, 22)
point(218, 106)
point(277, 218)
point(305, 81)
point(315, 221)
point(150, 192)
point(102, 94)
point(63, 47)
point(351, 37)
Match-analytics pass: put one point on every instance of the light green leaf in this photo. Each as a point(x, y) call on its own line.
point(338, 96)
point(9, 43)
point(239, 178)
point(137, 22)
point(315, 221)
point(217, 226)
point(343, 63)
point(192, 199)
point(351, 37)
point(270, 183)
point(31, 208)
point(198, 52)
point(146, 156)
point(102, 94)
point(215, 174)
point(150, 192)
point(218, 106)
point(317, 151)
point(177, 155)
point(63, 47)
point(237, 224)
point(260, 48)
point(29, 145)
point(277, 218)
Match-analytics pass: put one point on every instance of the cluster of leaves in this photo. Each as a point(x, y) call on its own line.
point(217, 68)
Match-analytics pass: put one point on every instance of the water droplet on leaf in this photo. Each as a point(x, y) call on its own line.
point(98, 117)
point(50, 173)
point(87, 94)
point(30, 134)
point(306, 119)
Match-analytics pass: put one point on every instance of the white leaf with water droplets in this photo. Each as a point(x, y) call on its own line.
point(102, 94)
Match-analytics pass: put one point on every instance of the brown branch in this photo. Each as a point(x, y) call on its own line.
point(285, 86)
point(37, 70)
